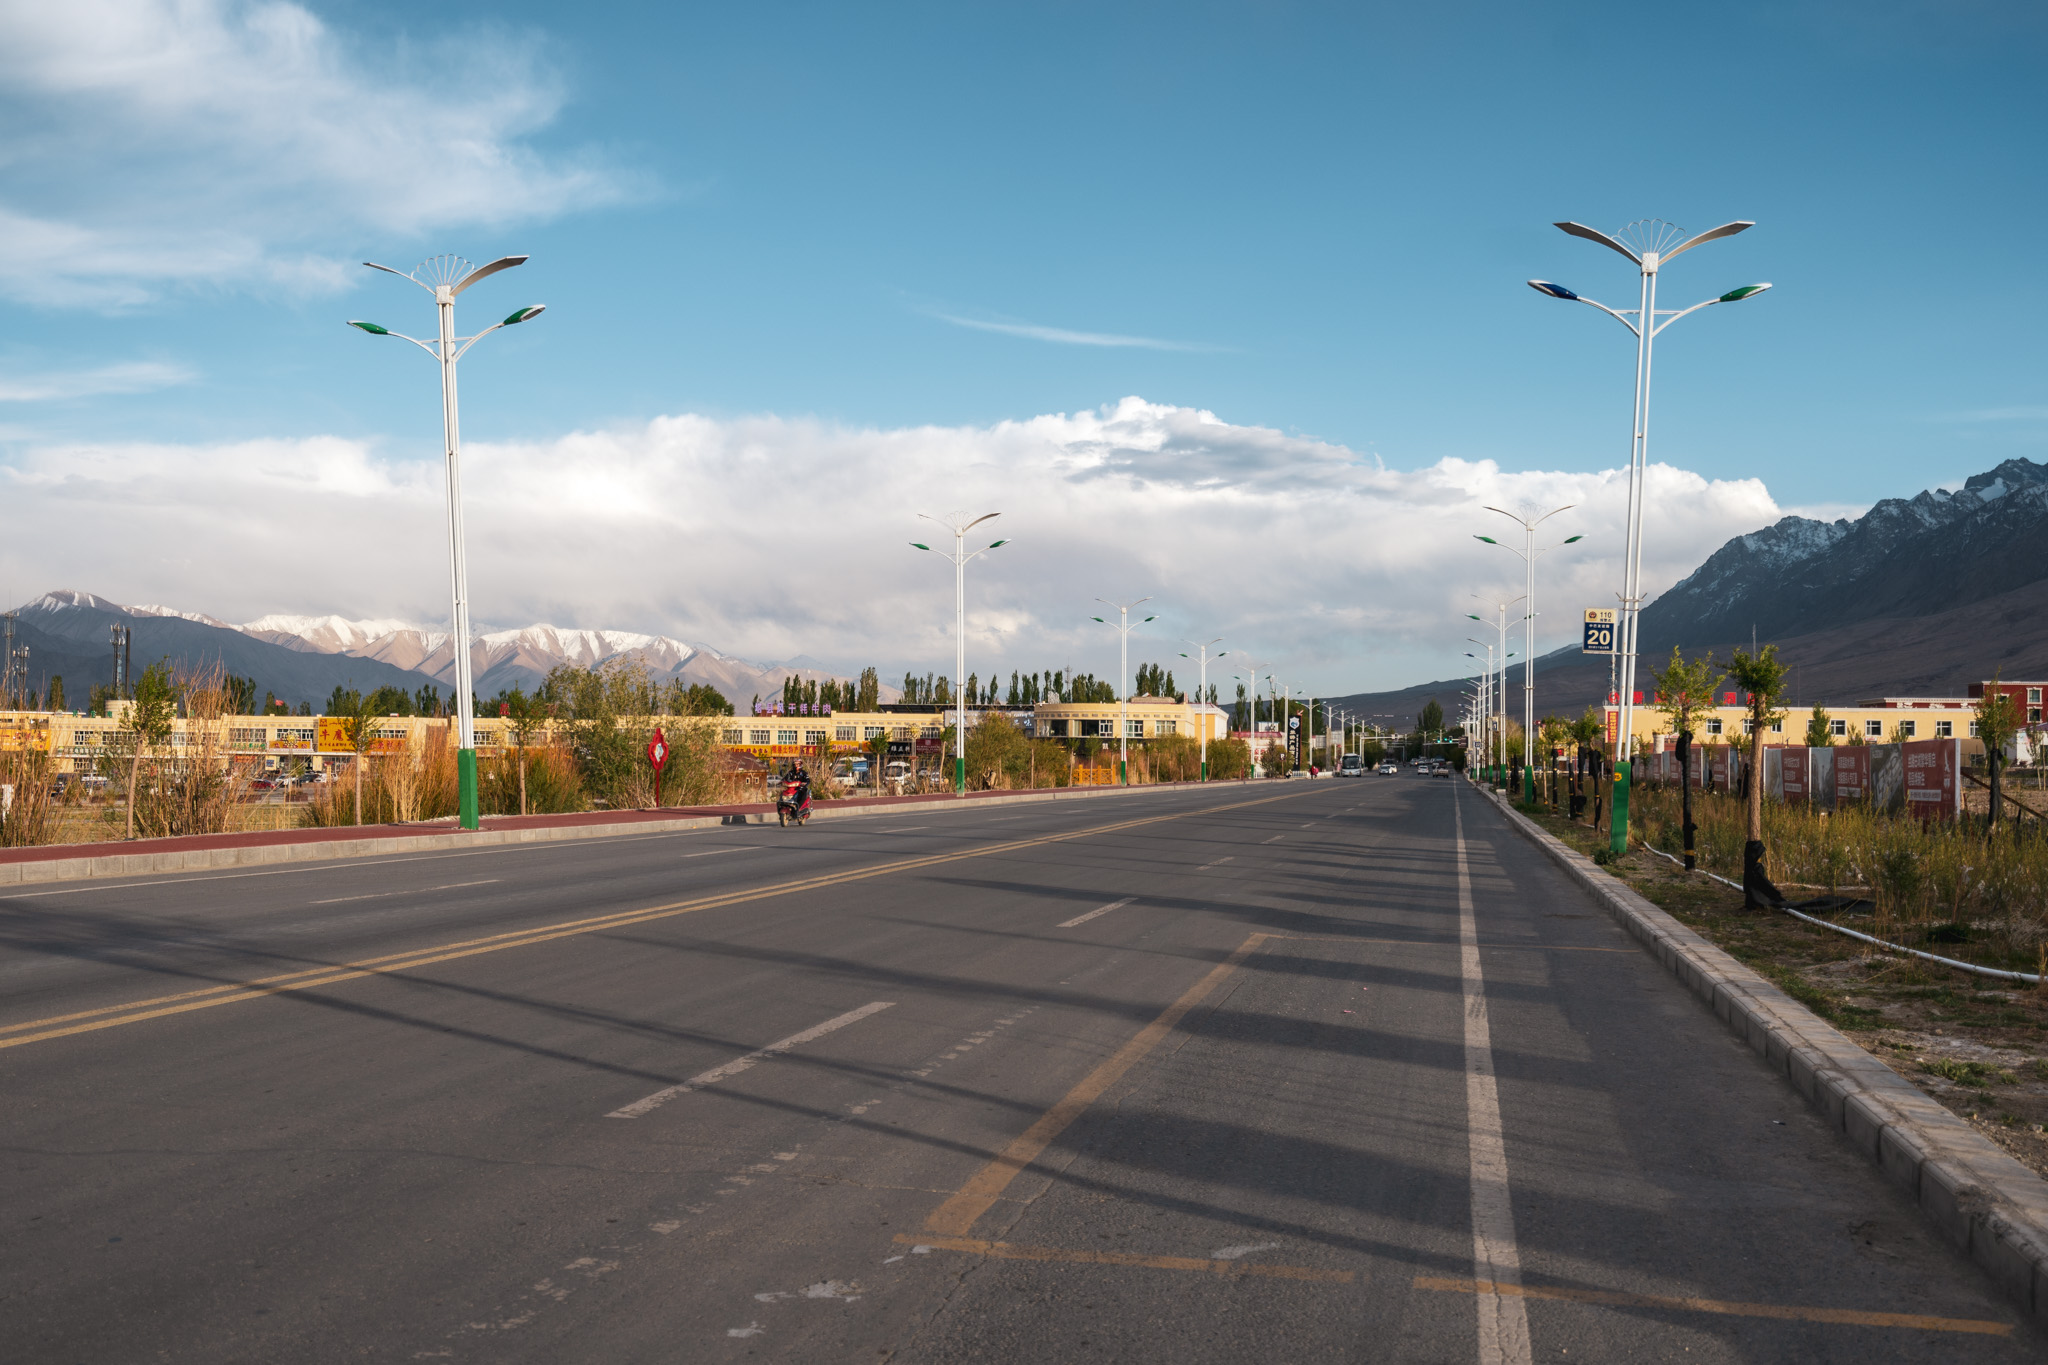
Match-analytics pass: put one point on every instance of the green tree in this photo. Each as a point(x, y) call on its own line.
point(868, 695)
point(56, 701)
point(1820, 733)
point(1998, 720)
point(241, 694)
point(526, 718)
point(1762, 678)
point(150, 719)
point(357, 717)
point(1431, 721)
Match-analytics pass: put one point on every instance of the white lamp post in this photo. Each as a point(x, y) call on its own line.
point(1529, 554)
point(445, 277)
point(1202, 692)
point(1124, 627)
point(960, 556)
point(1649, 244)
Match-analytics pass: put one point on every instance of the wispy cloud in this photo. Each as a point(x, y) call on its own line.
point(1064, 336)
point(143, 376)
point(154, 144)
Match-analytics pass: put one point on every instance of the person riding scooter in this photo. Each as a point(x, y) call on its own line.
point(795, 801)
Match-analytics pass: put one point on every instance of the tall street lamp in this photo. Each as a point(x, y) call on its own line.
point(1202, 691)
point(1529, 554)
point(960, 556)
point(445, 277)
point(1501, 692)
point(1124, 627)
point(1649, 244)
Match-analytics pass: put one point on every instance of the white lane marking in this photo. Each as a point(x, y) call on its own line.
point(1268, 841)
point(1083, 919)
point(1503, 1319)
point(409, 891)
point(714, 852)
point(752, 1329)
point(1238, 1253)
point(1218, 863)
point(739, 1064)
point(902, 829)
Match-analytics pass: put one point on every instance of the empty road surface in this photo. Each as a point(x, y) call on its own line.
point(1312, 1071)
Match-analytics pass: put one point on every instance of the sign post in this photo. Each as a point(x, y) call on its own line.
point(657, 754)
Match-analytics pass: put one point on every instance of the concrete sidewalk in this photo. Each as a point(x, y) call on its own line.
point(200, 852)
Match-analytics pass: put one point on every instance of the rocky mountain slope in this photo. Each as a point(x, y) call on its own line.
point(1919, 596)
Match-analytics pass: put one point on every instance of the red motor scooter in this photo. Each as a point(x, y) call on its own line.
point(794, 805)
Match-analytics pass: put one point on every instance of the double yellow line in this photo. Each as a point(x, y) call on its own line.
point(137, 1011)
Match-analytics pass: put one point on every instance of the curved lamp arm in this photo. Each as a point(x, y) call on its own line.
point(374, 330)
point(1747, 291)
point(1558, 291)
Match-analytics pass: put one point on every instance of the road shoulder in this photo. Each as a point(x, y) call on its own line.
point(1984, 1201)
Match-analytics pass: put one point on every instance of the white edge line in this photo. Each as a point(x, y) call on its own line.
point(1083, 919)
point(739, 1064)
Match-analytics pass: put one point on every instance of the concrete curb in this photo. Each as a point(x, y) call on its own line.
point(1990, 1206)
point(259, 855)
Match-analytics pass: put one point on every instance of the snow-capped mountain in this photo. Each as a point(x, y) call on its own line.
point(501, 658)
point(303, 658)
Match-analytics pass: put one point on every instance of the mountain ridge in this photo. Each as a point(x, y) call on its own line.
point(303, 658)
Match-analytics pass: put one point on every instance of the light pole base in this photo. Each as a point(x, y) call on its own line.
point(1617, 818)
point(1123, 773)
point(465, 776)
point(960, 775)
point(1205, 772)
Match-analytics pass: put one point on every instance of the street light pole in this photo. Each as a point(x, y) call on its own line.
point(1123, 681)
point(1202, 692)
point(1529, 553)
point(1648, 243)
point(445, 277)
point(960, 556)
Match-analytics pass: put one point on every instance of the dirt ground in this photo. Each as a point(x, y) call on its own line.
point(1978, 1049)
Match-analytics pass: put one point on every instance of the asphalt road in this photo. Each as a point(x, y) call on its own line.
point(1329, 1071)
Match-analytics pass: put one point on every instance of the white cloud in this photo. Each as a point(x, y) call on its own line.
point(158, 143)
point(141, 376)
point(771, 537)
point(1067, 337)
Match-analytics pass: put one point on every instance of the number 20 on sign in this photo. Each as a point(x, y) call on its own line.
point(1599, 636)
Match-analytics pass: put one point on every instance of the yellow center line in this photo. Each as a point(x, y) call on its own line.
point(137, 1011)
point(1010, 1251)
point(957, 1216)
point(1785, 1312)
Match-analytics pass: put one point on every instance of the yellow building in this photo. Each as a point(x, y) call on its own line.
point(1143, 717)
point(1881, 720)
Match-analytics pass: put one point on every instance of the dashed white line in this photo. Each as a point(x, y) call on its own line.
point(1083, 919)
point(1277, 836)
point(714, 852)
point(739, 1064)
point(902, 829)
point(408, 891)
point(1218, 863)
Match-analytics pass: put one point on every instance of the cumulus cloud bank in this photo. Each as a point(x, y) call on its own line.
point(227, 137)
point(772, 537)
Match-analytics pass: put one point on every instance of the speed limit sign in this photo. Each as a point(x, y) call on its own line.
point(1599, 636)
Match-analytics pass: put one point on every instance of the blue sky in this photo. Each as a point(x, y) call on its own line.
point(1308, 220)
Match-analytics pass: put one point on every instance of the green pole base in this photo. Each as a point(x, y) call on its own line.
point(1123, 773)
point(1528, 785)
point(960, 775)
point(1205, 772)
point(1617, 819)
point(465, 773)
